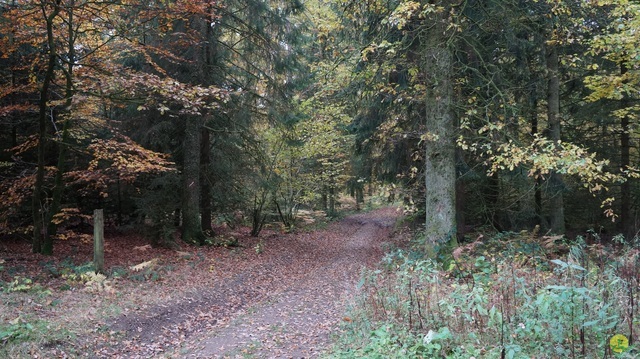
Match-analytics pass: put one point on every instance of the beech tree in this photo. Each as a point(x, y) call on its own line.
point(66, 33)
point(616, 78)
point(74, 79)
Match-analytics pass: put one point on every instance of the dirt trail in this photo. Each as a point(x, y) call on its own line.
point(285, 307)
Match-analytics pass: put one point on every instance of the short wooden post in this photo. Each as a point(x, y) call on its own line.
point(98, 240)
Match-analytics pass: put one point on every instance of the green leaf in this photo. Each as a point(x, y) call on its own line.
point(591, 323)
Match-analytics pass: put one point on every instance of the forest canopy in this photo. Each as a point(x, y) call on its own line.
point(177, 115)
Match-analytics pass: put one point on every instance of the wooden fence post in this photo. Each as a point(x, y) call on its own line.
point(98, 240)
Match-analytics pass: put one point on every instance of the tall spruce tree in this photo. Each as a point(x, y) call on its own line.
point(243, 47)
point(440, 170)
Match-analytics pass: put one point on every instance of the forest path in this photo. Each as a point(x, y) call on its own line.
point(297, 323)
point(284, 307)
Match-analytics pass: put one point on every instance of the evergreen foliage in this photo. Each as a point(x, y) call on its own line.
point(264, 107)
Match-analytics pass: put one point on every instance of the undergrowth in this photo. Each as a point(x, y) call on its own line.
point(512, 296)
point(25, 329)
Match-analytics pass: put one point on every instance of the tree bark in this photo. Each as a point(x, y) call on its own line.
point(205, 162)
point(537, 186)
point(460, 201)
point(191, 223)
point(359, 195)
point(325, 198)
point(39, 206)
point(556, 183)
point(440, 171)
point(332, 199)
point(627, 222)
point(59, 185)
point(492, 197)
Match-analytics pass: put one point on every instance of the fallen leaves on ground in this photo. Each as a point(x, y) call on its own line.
point(202, 301)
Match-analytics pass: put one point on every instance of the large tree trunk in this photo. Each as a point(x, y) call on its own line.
point(209, 59)
point(440, 171)
point(191, 224)
point(556, 184)
point(39, 197)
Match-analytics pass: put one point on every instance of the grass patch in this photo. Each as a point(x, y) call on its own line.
point(22, 337)
point(513, 296)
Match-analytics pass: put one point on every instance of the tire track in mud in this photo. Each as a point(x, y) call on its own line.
point(298, 323)
point(286, 307)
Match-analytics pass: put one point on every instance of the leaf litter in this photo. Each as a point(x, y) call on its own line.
point(284, 302)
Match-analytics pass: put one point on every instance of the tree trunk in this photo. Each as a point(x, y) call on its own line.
point(537, 186)
point(39, 197)
point(440, 170)
point(324, 198)
point(556, 184)
point(191, 224)
point(359, 195)
point(59, 185)
point(209, 58)
point(258, 217)
point(205, 162)
point(460, 201)
point(332, 199)
point(492, 197)
point(58, 190)
point(627, 222)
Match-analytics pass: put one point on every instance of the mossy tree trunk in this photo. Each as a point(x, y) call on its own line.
point(440, 171)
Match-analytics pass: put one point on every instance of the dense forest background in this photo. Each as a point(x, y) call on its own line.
point(175, 115)
point(506, 130)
